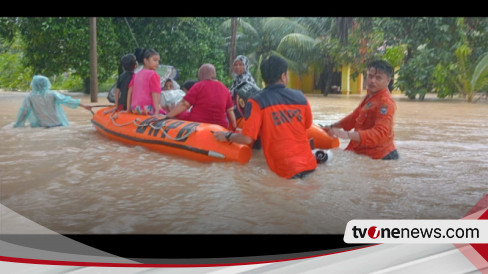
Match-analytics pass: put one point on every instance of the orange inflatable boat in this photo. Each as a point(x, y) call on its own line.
point(320, 138)
point(182, 138)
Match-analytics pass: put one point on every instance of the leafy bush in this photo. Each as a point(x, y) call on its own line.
point(67, 81)
point(415, 77)
point(14, 76)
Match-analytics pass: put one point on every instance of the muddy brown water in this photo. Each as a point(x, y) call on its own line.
point(74, 180)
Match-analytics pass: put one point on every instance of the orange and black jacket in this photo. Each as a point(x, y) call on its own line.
point(373, 119)
point(280, 117)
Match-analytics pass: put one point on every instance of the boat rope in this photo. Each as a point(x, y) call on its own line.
point(152, 123)
point(115, 115)
point(166, 135)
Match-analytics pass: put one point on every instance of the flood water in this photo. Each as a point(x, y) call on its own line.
point(74, 180)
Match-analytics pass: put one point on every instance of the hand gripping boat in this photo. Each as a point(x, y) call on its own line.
point(187, 139)
point(245, 90)
point(319, 137)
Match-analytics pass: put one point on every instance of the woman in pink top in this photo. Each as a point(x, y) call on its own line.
point(210, 99)
point(145, 88)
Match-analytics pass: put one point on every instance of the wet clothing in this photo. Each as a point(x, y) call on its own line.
point(302, 174)
point(281, 117)
point(170, 98)
point(238, 81)
point(144, 84)
point(210, 100)
point(373, 119)
point(123, 85)
point(392, 156)
point(246, 76)
point(43, 106)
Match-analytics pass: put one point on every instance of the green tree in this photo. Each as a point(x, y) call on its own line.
point(183, 42)
point(464, 74)
point(53, 45)
point(431, 44)
point(467, 78)
point(329, 44)
point(259, 37)
point(13, 76)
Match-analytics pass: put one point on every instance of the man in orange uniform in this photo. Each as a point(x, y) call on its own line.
point(372, 120)
point(280, 116)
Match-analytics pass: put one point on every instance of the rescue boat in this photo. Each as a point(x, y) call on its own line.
point(320, 138)
point(182, 138)
point(187, 139)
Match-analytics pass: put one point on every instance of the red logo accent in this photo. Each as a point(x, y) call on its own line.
point(373, 232)
point(474, 251)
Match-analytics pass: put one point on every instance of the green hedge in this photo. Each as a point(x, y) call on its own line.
point(14, 76)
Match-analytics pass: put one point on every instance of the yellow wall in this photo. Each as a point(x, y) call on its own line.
point(349, 85)
point(357, 84)
point(345, 83)
point(303, 83)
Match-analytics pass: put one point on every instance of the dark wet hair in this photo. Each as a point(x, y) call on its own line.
point(128, 62)
point(189, 83)
point(272, 68)
point(150, 52)
point(382, 66)
point(139, 53)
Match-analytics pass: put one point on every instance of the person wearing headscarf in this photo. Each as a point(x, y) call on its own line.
point(171, 94)
point(280, 116)
point(241, 73)
point(170, 84)
point(243, 85)
point(210, 101)
point(42, 107)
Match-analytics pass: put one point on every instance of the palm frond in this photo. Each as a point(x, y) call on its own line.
point(480, 73)
point(247, 29)
point(297, 46)
point(296, 66)
point(243, 27)
point(225, 26)
point(277, 27)
point(317, 26)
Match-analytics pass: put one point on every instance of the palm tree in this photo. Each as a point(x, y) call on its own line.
point(331, 42)
point(344, 24)
point(233, 33)
point(257, 37)
point(315, 49)
point(469, 80)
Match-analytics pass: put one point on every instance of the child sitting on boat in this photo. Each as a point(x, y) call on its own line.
point(144, 93)
point(129, 63)
point(171, 95)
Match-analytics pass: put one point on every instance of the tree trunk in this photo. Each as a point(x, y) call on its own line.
point(326, 77)
point(343, 26)
point(93, 60)
point(232, 54)
point(86, 85)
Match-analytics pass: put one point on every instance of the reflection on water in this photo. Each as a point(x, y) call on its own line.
point(73, 180)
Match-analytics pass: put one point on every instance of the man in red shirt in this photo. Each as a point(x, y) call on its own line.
point(280, 117)
point(210, 100)
point(372, 120)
